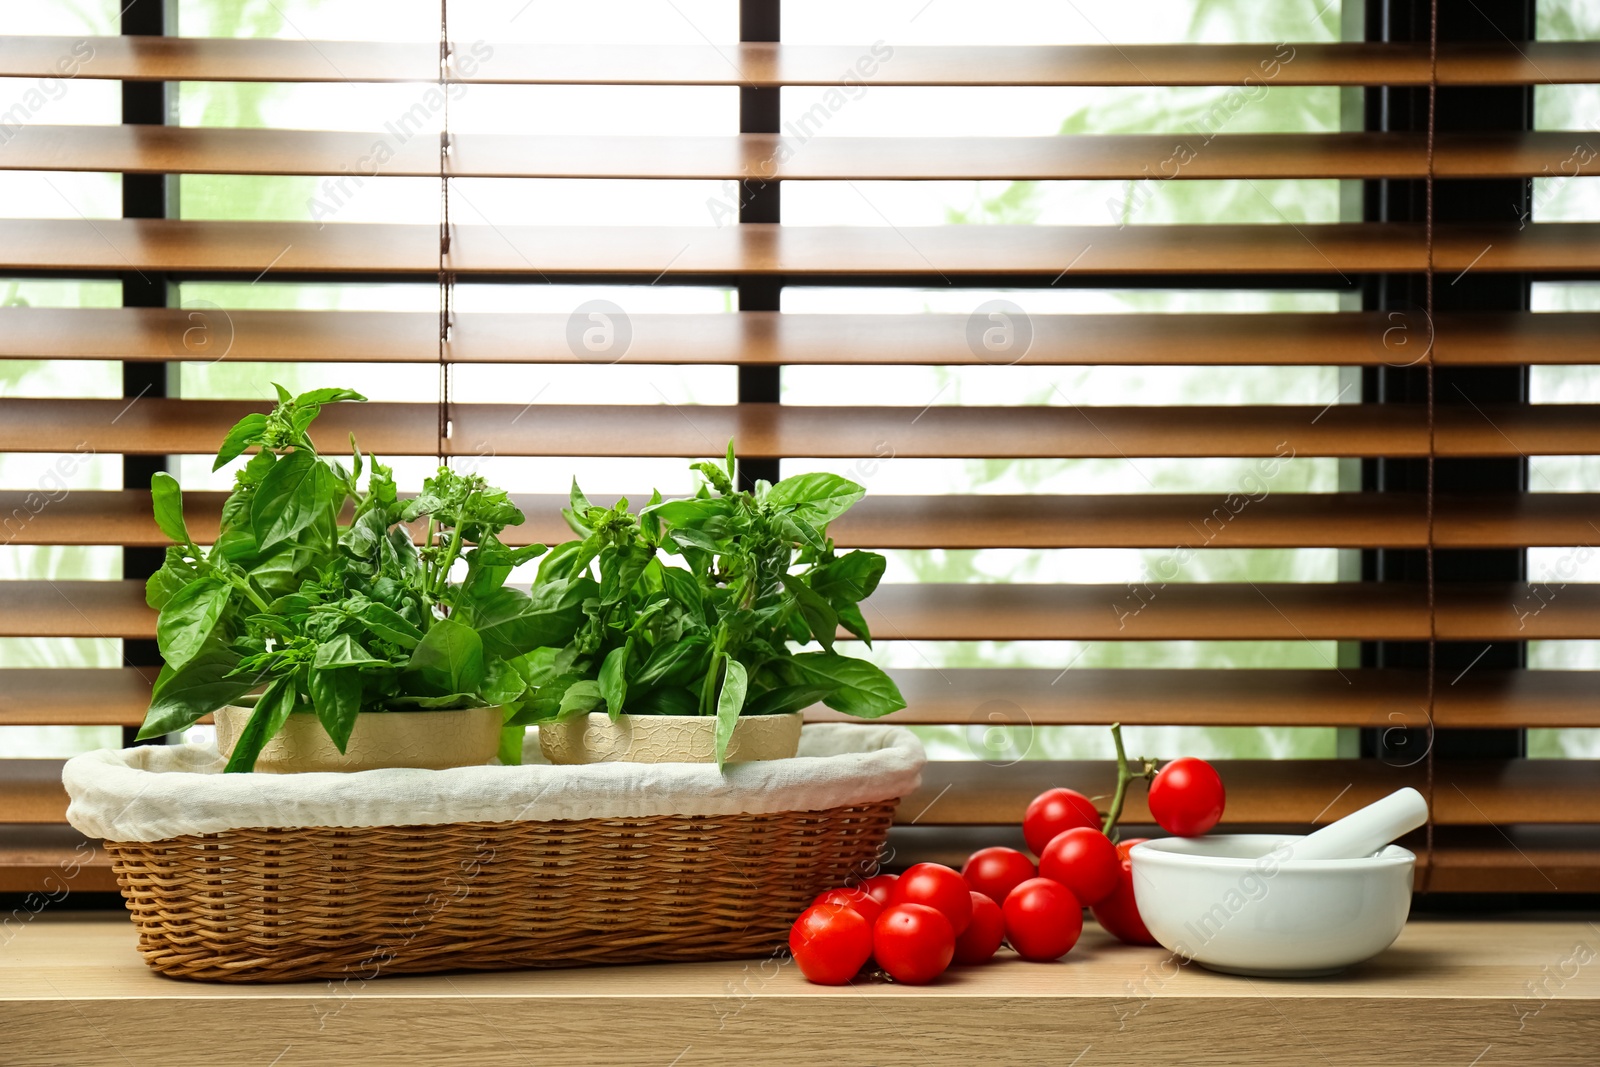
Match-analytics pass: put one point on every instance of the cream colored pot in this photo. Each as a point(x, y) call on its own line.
point(431, 739)
point(594, 738)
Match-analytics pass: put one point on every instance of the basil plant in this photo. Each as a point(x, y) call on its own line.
point(315, 593)
point(705, 606)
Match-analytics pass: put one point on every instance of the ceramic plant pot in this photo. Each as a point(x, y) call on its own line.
point(594, 738)
point(431, 739)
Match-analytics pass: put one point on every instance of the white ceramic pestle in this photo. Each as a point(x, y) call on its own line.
point(1364, 832)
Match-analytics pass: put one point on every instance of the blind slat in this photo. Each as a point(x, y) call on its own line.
point(166, 426)
point(1276, 520)
point(1195, 611)
point(254, 248)
point(764, 338)
point(221, 150)
point(1023, 698)
point(229, 59)
point(1270, 791)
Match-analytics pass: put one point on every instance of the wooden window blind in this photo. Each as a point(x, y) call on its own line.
point(794, 274)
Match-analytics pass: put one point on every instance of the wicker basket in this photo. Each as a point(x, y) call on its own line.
point(276, 905)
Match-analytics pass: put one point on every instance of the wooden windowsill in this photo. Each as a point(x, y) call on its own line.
point(1476, 991)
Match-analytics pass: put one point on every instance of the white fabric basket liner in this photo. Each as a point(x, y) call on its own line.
point(155, 792)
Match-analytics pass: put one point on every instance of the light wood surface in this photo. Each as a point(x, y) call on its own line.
point(224, 59)
point(1484, 992)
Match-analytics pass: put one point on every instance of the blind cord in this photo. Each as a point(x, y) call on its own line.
point(1433, 617)
point(446, 277)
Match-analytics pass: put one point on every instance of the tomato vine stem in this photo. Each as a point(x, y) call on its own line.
point(1124, 776)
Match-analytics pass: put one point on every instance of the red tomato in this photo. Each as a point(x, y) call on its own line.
point(994, 872)
point(939, 887)
point(857, 899)
point(981, 939)
point(913, 942)
point(879, 886)
point(1043, 920)
point(1186, 797)
point(830, 943)
point(1083, 860)
point(1119, 913)
point(1053, 811)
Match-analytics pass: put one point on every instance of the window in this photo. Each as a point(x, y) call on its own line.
point(1117, 310)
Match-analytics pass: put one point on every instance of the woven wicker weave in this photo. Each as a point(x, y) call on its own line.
point(284, 904)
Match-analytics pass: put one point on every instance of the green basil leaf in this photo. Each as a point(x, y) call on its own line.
point(288, 500)
point(847, 579)
point(447, 702)
point(691, 512)
point(620, 568)
point(668, 700)
point(502, 684)
point(326, 396)
point(284, 396)
point(675, 662)
point(687, 537)
point(818, 613)
point(542, 665)
point(580, 698)
point(854, 686)
point(796, 528)
point(206, 683)
point(821, 497)
point(336, 697)
point(544, 703)
point(851, 619)
point(683, 586)
point(165, 583)
point(237, 545)
point(189, 619)
point(272, 711)
point(558, 563)
point(342, 650)
point(450, 657)
point(246, 432)
point(512, 622)
point(577, 501)
point(784, 699)
point(729, 703)
point(167, 501)
point(510, 751)
point(614, 679)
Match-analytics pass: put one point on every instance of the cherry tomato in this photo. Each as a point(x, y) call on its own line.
point(913, 942)
point(1043, 920)
point(1053, 811)
point(981, 939)
point(994, 872)
point(830, 943)
point(939, 887)
point(1119, 913)
point(879, 886)
point(856, 899)
point(1186, 797)
point(1083, 860)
